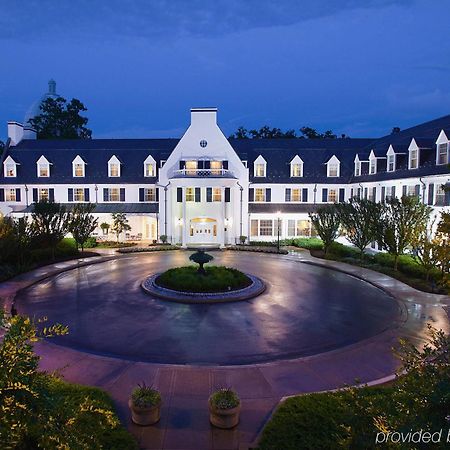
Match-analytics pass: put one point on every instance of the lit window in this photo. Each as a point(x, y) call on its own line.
point(190, 194)
point(265, 227)
point(442, 154)
point(78, 170)
point(333, 169)
point(357, 168)
point(78, 195)
point(254, 228)
point(10, 195)
point(296, 170)
point(191, 167)
point(440, 195)
point(413, 160)
point(296, 195)
point(43, 170)
point(303, 227)
point(260, 170)
point(373, 166)
point(260, 195)
point(216, 167)
point(332, 196)
point(114, 169)
point(10, 170)
point(150, 194)
point(217, 195)
point(114, 194)
point(149, 170)
point(43, 194)
point(391, 163)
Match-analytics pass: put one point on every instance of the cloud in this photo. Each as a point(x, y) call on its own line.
point(116, 19)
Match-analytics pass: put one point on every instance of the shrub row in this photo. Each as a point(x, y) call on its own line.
point(160, 248)
point(249, 248)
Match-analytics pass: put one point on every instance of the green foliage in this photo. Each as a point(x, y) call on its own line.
point(144, 396)
point(242, 239)
point(201, 258)
point(225, 398)
point(2, 146)
point(326, 222)
point(308, 243)
point(163, 238)
point(344, 251)
point(90, 242)
point(267, 132)
point(82, 223)
point(60, 119)
point(120, 224)
point(262, 243)
point(218, 279)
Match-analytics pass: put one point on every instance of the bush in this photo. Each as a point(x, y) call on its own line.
point(308, 243)
point(115, 244)
point(90, 242)
point(217, 279)
point(150, 249)
point(145, 396)
point(225, 398)
point(263, 243)
point(344, 251)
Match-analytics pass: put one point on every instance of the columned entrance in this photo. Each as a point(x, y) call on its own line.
point(202, 230)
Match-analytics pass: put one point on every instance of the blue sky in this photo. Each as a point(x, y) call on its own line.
point(140, 65)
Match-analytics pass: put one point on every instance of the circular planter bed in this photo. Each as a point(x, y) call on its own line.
point(220, 284)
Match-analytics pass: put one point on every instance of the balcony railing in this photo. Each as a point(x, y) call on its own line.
point(203, 173)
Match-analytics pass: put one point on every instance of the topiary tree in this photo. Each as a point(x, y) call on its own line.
point(201, 258)
point(82, 223)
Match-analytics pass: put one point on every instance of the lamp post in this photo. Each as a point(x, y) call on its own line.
point(278, 231)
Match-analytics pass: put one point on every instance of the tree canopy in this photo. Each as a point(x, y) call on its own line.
point(60, 119)
point(267, 132)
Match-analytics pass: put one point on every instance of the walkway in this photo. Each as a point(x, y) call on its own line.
point(184, 424)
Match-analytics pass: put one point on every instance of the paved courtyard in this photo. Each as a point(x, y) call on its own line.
point(364, 355)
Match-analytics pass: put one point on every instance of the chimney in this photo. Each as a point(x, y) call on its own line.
point(52, 87)
point(203, 116)
point(29, 133)
point(15, 132)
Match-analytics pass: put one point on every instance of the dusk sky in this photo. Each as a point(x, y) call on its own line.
point(140, 65)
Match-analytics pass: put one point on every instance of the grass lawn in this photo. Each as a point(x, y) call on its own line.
point(217, 279)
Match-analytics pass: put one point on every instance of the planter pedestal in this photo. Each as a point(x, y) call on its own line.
point(144, 416)
point(224, 418)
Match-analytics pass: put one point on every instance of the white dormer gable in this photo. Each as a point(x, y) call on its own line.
point(296, 166)
point(442, 148)
point(372, 163)
point(333, 167)
point(391, 159)
point(259, 167)
point(413, 155)
point(43, 167)
point(78, 167)
point(357, 162)
point(149, 167)
point(10, 168)
point(114, 166)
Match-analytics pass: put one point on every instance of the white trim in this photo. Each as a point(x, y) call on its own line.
point(44, 163)
point(333, 161)
point(78, 160)
point(296, 161)
point(260, 161)
point(114, 161)
point(9, 161)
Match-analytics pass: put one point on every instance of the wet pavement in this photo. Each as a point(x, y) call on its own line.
point(305, 310)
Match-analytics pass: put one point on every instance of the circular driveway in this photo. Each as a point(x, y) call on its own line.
point(305, 310)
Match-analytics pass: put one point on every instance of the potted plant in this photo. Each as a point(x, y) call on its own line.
point(105, 228)
point(145, 405)
point(163, 238)
point(242, 239)
point(224, 408)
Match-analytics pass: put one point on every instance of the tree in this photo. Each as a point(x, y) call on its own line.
point(7, 240)
point(82, 223)
point(23, 233)
point(311, 133)
point(61, 120)
point(395, 130)
point(326, 221)
point(240, 133)
point(50, 223)
point(401, 223)
point(444, 224)
point(201, 258)
point(2, 146)
point(427, 249)
point(359, 217)
point(120, 224)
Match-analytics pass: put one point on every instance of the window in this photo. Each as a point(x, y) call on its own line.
point(78, 170)
point(333, 169)
point(373, 166)
point(390, 163)
point(149, 194)
point(260, 195)
point(10, 170)
point(114, 195)
point(260, 170)
point(78, 195)
point(390, 192)
point(411, 191)
point(254, 228)
point(114, 170)
point(10, 195)
point(217, 195)
point(43, 170)
point(413, 159)
point(357, 168)
point(440, 195)
point(299, 227)
point(191, 167)
point(216, 167)
point(190, 194)
point(332, 195)
point(265, 227)
point(297, 170)
point(149, 170)
point(296, 195)
point(43, 194)
point(442, 154)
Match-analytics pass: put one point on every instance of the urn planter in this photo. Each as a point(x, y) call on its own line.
point(224, 408)
point(145, 415)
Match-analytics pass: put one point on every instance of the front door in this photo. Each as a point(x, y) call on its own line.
point(203, 231)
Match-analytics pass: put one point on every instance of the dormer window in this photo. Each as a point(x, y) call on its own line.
point(43, 167)
point(333, 167)
point(259, 167)
point(373, 166)
point(78, 167)
point(9, 168)
point(149, 167)
point(114, 167)
point(296, 167)
point(413, 158)
point(391, 163)
point(191, 167)
point(442, 157)
point(357, 166)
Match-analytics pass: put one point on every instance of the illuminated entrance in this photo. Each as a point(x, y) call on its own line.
point(203, 230)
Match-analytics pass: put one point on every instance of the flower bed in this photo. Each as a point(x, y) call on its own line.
point(160, 248)
point(251, 248)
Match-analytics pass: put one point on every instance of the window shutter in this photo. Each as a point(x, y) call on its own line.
point(209, 194)
point(18, 192)
point(122, 194)
point(417, 190)
point(447, 195)
point(268, 194)
point(225, 165)
point(86, 195)
point(227, 195)
point(404, 191)
point(351, 193)
point(324, 195)
point(251, 195)
point(105, 194)
point(35, 195)
point(157, 194)
point(374, 194)
point(182, 164)
point(287, 197)
point(2, 195)
point(305, 195)
point(393, 192)
point(197, 194)
point(51, 195)
point(365, 193)
point(430, 193)
point(383, 194)
point(179, 195)
point(359, 194)
point(341, 195)
point(201, 164)
point(141, 194)
point(207, 165)
point(70, 195)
